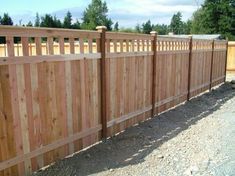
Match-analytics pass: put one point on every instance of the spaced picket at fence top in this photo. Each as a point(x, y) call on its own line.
point(71, 41)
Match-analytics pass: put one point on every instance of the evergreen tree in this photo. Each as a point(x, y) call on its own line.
point(30, 24)
point(96, 15)
point(76, 25)
point(116, 27)
point(215, 16)
point(50, 21)
point(162, 29)
point(138, 28)
point(147, 27)
point(187, 27)
point(57, 22)
point(176, 23)
point(6, 20)
point(68, 20)
point(47, 21)
point(37, 20)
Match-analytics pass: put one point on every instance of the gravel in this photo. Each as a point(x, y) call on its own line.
point(196, 138)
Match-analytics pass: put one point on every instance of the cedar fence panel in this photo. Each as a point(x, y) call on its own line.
point(219, 63)
point(46, 101)
point(201, 66)
point(63, 90)
point(129, 72)
point(172, 72)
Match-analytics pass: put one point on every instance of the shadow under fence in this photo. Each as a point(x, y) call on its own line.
point(134, 144)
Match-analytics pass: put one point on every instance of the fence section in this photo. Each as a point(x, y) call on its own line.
point(50, 104)
point(231, 57)
point(171, 72)
point(59, 89)
point(128, 81)
point(200, 66)
point(219, 63)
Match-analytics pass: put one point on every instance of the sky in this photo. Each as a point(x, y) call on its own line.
point(127, 12)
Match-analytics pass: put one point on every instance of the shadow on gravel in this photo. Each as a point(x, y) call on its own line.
point(132, 146)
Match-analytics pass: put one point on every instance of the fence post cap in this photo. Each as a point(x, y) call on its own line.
point(190, 36)
point(100, 28)
point(153, 33)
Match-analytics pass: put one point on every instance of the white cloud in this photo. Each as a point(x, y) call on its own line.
point(130, 12)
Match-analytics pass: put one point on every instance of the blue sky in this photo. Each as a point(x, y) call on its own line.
point(127, 12)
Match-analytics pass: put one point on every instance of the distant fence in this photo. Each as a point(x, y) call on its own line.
point(231, 57)
point(57, 98)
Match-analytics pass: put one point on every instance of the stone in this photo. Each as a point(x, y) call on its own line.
point(233, 86)
point(160, 156)
point(233, 81)
point(88, 156)
point(109, 148)
point(191, 171)
point(150, 126)
point(176, 159)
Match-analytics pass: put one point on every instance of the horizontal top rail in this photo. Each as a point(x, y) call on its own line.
point(221, 41)
point(170, 38)
point(231, 44)
point(13, 31)
point(202, 40)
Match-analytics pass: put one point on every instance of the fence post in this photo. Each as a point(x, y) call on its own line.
point(190, 65)
point(102, 30)
point(154, 49)
point(212, 62)
point(226, 61)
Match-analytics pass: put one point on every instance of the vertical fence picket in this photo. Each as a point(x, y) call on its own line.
point(190, 66)
point(68, 81)
point(212, 63)
point(154, 75)
point(50, 45)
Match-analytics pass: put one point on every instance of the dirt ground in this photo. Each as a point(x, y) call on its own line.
point(196, 138)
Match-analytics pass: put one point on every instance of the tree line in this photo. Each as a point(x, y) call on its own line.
point(214, 16)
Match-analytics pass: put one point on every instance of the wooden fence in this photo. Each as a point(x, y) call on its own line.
point(56, 101)
point(231, 57)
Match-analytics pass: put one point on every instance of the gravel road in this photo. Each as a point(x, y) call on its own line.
point(196, 138)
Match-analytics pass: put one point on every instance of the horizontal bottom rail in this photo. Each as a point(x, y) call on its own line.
point(217, 79)
point(206, 85)
point(168, 100)
point(128, 116)
point(230, 69)
point(199, 87)
point(21, 158)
